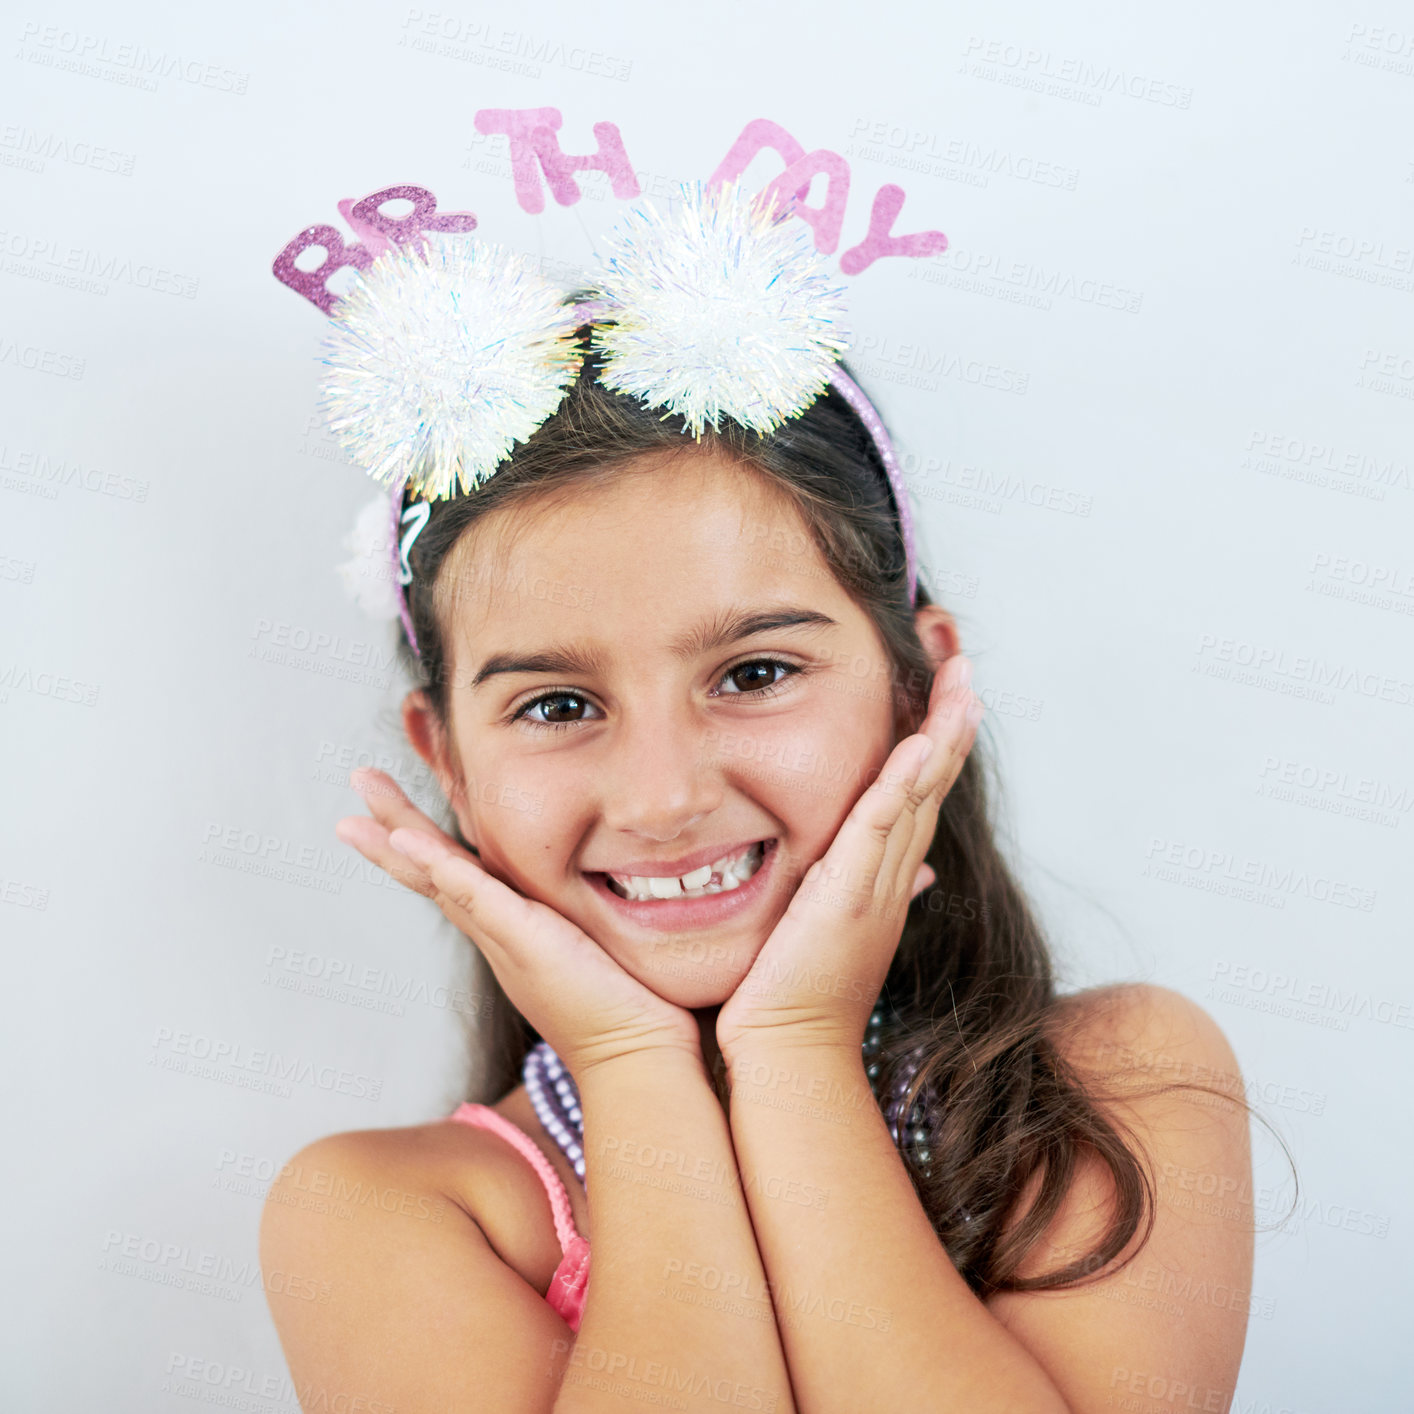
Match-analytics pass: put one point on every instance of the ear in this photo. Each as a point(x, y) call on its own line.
point(429, 739)
point(937, 632)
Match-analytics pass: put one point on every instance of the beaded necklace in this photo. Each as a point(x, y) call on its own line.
point(555, 1097)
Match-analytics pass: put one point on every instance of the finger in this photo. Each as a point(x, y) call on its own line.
point(886, 846)
point(954, 713)
point(947, 721)
point(848, 874)
point(924, 879)
point(915, 822)
point(517, 934)
point(389, 805)
point(391, 809)
point(427, 851)
point(371, 840)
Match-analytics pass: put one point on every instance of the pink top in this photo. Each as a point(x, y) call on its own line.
point(571, 1280)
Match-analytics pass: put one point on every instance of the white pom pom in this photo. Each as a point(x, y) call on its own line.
point(368, 577)
point(722, 307)
point(441, 359)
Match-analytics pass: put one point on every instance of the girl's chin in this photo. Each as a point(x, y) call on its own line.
point(695, 975)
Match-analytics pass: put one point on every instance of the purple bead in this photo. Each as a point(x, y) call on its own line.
point(555, 1099)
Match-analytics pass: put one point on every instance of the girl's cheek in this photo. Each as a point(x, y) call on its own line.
point(800, 770)
point(505, 795)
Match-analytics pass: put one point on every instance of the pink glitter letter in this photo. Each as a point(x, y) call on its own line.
point(313, 284)
point(888, 201)
point(827, 219)
point(757, 134)
point(532, 137)
point(376, 232)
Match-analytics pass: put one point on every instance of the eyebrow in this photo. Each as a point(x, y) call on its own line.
point(729, 627)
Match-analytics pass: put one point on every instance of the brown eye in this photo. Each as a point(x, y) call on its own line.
point(561, 709)
point(751, 676)
point(757, 676)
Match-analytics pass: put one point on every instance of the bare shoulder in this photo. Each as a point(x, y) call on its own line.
point(1159, 1069)
point(1141, 1029)
point(391, 1272)
point(424, 1171)
point(1173, 1305)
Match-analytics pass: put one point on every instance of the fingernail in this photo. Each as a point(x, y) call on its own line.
point(964, 672)
point(415, 845)
point(344, 831)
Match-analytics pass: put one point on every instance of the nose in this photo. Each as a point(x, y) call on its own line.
point(659, 778)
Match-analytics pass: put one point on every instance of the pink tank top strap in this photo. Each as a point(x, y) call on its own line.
point(570, 1282)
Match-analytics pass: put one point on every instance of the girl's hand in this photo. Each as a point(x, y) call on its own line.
point(574, 994)
point(819, 974)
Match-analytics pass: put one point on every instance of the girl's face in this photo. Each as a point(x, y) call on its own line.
point(653, 677)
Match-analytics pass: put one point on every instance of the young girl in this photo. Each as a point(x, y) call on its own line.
point(777, 1038)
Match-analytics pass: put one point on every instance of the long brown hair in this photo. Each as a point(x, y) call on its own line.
point(971, 989)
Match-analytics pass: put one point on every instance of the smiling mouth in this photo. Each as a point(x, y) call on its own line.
point(721, 876)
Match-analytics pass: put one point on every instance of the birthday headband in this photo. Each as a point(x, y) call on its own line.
point(444, 355)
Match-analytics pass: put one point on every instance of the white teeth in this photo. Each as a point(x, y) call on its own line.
point(721, 876)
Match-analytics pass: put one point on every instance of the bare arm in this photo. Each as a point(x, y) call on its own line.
point(402, 1302)
point(665, 1198)
point(872, 1311)
point(415, 1310)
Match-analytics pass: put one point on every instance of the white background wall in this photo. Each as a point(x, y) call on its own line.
point(1158, 397)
